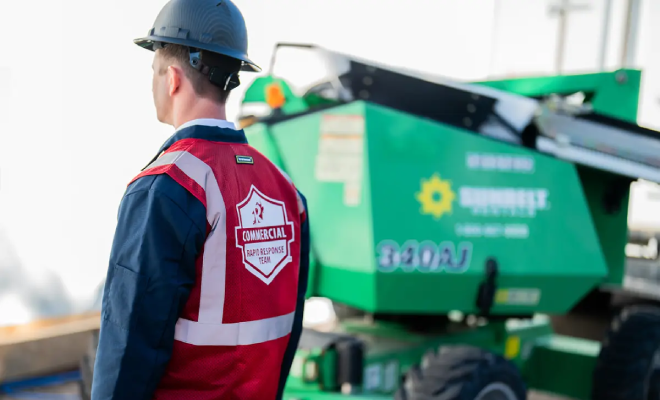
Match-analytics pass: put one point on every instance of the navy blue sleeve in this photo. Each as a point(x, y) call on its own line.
point(300, 306)
point(160, 231)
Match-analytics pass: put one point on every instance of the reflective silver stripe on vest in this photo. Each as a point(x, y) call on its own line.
point(209, 329)
point(241, 333)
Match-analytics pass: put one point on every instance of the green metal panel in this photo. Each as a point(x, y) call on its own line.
point(527, 211)
point(533, 218)
point(613, 93)
point(562, 365)
point(545, 85)
point(619, 95)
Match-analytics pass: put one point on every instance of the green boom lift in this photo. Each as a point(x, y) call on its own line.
point(450, 220)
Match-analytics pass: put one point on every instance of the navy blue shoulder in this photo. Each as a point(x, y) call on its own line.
point(165, 185)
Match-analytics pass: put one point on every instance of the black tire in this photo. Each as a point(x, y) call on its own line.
point(462, 373)
point(628, 366)
point(87, 367)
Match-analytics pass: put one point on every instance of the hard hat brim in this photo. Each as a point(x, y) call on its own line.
point(148, 43)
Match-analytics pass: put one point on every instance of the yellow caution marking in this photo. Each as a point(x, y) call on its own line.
point(512, 347)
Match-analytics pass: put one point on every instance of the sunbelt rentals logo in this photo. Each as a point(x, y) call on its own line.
point(264, 235)
point(437, 198)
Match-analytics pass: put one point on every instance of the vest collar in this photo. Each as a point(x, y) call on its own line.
point(214, 130)
point(219, 123)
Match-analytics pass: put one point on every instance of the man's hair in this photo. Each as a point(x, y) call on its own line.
point(200, 82)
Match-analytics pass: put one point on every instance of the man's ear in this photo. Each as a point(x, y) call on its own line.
point(173, 79)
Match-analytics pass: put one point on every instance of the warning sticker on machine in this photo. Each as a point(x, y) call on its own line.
point(518, 297)
point(340, 154)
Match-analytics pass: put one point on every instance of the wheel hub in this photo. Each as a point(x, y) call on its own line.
point(497, 391)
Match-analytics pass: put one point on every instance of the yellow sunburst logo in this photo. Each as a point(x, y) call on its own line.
point(436, 196)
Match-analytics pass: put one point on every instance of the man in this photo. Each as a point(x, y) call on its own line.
point(208, 269)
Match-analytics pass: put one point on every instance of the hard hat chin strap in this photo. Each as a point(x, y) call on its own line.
point(226, 80)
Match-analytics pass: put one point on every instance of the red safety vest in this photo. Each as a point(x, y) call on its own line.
point(231, 337)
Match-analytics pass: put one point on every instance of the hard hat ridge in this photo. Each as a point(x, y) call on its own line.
point(215, 26)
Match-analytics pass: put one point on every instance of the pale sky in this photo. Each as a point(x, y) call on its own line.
point(77, 120)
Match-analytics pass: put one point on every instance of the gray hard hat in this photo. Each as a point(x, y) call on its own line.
point(216, 26)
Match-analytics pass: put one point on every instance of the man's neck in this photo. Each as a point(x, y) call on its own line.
point(203, 109)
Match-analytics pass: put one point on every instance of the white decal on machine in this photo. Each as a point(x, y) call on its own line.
point(500, 162)
point(504, 202)
point(423, 257)
point(264, 235)
point(493, 230)
point(340, 154)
